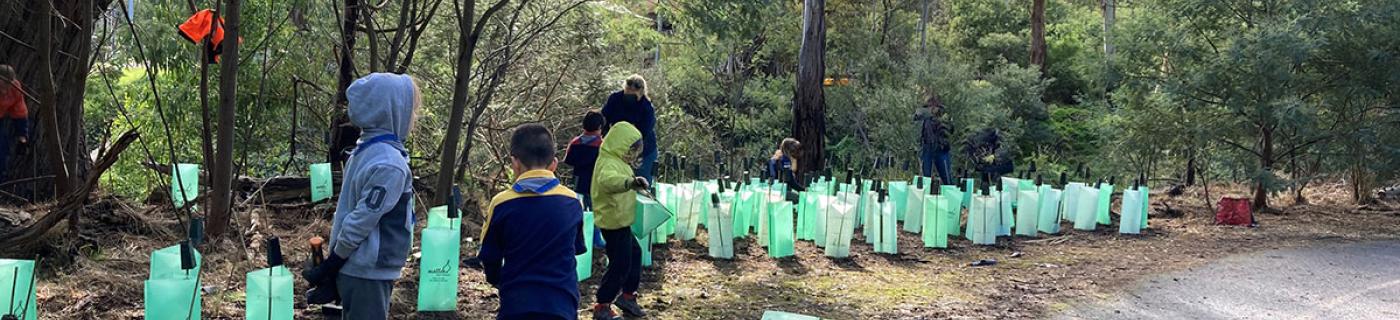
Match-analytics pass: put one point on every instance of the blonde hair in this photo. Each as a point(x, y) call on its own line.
point(637, 83)
point(790, 147)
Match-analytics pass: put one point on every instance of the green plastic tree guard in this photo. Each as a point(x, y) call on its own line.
point(1088, 209)
point(983, 220)
point(779, 315)
point(321, 183)
point(1007, 219)
point(1105, 200)
point(583, 263)
point(17, 277)
point(883, 225)
point(899, 197)
point(969, 185)
point(184, 186)
point(269, 295)
point(935, 230)
point(954, 215)
point(1028, 213)
point(173, 299)
point(840, 226)
point(1049, 210)
point(437, 218)
point(914, 210)
point(802, 204)
point(871, 208)
point(1070, 198)
point(438, 268)
point(645, 243)
point(1009, 184)
point(689, 201)
point(720, 228)
point(819, 217)
point(1146, 204)
point(780, 233)
point(165, 264)
point(1131, 220)
point(743, 207)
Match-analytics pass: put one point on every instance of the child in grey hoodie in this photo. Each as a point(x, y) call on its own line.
point(373, 224)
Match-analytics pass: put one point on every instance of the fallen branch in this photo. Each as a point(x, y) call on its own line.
point(70, 204)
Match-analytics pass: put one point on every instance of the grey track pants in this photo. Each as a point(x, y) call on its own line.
point(364, 299)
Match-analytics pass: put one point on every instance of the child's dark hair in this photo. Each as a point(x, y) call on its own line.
point(593, 120)
point(532, 145)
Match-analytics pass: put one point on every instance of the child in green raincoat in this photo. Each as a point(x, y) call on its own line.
point(614, 203)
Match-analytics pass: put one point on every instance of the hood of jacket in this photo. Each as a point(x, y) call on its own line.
point(382, 103)
point(620, 137)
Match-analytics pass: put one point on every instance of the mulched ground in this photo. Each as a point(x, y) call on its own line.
point(1034, 276)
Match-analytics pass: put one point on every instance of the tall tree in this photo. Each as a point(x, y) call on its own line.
point(1110, 14)
point(1038, 37)
point(222, 191)
point(468, 34)
point(809, 103)
point(343, 134)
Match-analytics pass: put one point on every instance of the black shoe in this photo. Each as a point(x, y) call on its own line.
point(630, 307)
point(602, 312)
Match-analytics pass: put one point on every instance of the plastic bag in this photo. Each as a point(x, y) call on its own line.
point(780, 233)
point(1088, 206)
point(650, 216)
point(1131, 220)
point(184, 185)
point(984, 220)
point(322, 186)
point(438, 268)
point(1027, 213)
point(1105, 200)
point(17, 276)
point(720, 228)
point(269, 295)
point(1049, 210)
point(914, 210)
point(840, 227)
point(583, 263)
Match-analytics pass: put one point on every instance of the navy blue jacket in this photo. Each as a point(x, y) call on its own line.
point(621, 107)
point(528, 246)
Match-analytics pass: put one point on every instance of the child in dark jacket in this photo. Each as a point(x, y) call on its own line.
point(581, 153)
point(532, 234)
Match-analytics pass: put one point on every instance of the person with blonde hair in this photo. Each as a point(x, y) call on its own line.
point(372, 229)
point(783, 165)
point(632, 105)
point(14, 116)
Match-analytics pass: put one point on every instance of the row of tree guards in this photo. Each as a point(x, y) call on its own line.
point(827, 213)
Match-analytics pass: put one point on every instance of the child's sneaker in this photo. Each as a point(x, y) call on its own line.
point(604, 312)
point(629, 306)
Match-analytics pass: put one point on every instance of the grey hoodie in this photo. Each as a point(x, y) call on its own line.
point(373, 224)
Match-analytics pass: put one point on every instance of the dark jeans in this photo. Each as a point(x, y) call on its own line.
point(648, 166)
point(7, 139)
point(937, 159)
point(624, 265)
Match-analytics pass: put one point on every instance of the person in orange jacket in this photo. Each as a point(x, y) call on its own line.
point(14, 116)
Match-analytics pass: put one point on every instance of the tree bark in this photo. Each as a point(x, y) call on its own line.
point(228, 108)
point(48, 99)
point(1038, 37)
point(1110, 14)
point(343, 135)
point(809, 104)
point(1266, 163)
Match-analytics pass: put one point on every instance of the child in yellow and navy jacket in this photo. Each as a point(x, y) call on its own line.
point(614, 204)
point(532, 234)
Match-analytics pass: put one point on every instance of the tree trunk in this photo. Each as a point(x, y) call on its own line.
point(468, 34)
point(809, 104)
point(1266, 163)
point(222, 196)
point(1190, 176)
point(343, 135)
point(1038, 36)
point(1109, 16)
